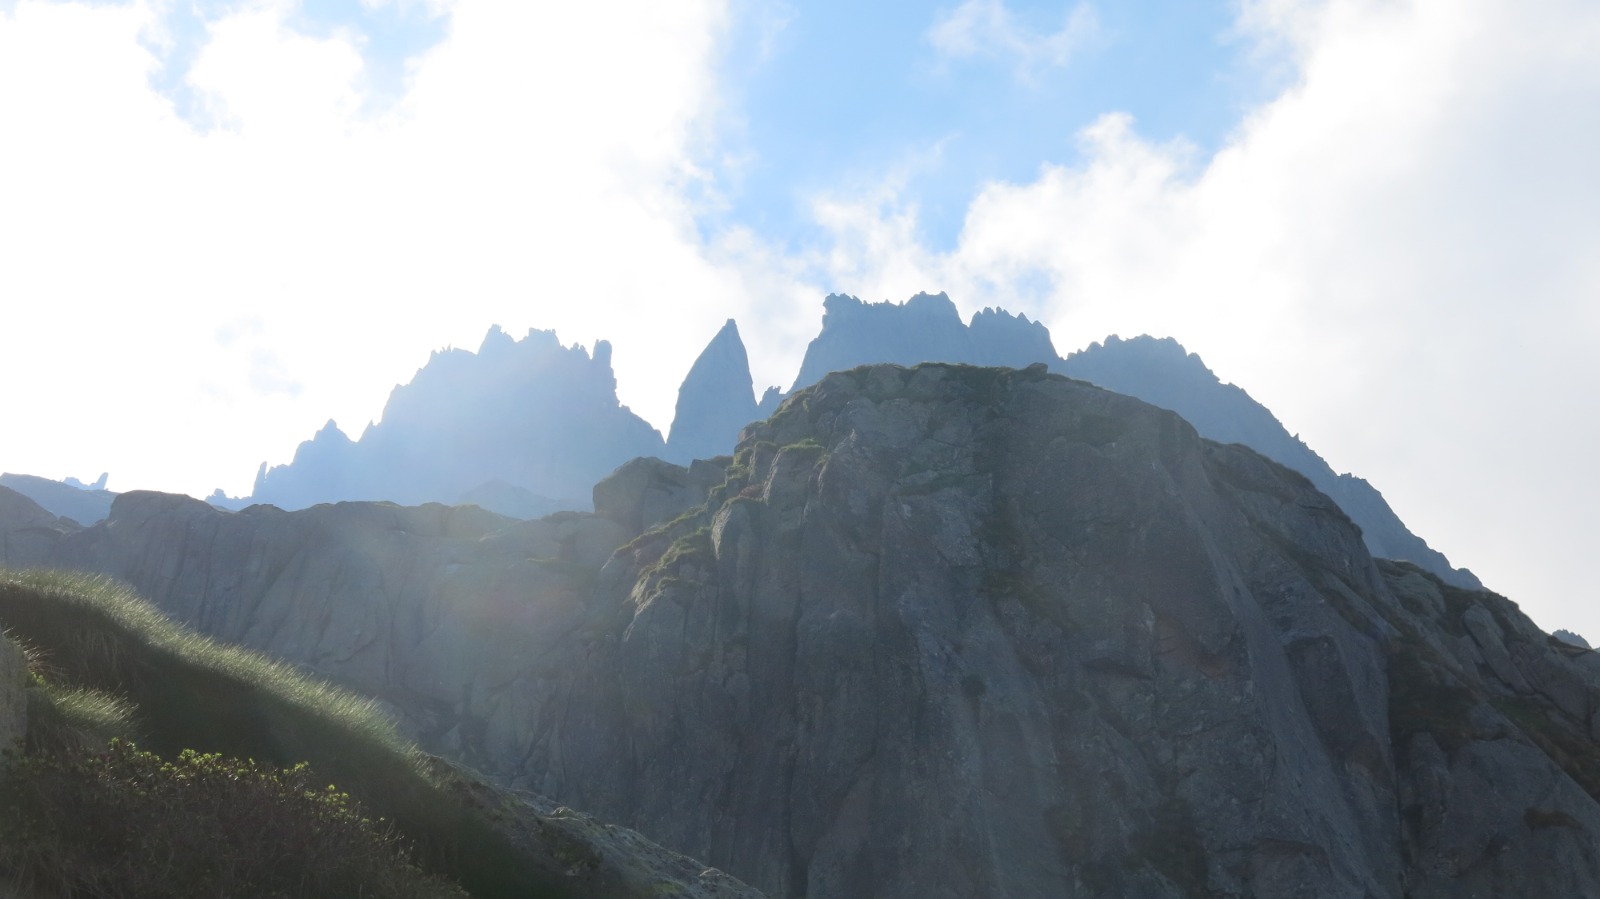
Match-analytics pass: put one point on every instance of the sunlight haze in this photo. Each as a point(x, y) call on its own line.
point(223, 224)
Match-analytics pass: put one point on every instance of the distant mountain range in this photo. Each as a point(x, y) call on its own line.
point(526, 427)
point(83, 503)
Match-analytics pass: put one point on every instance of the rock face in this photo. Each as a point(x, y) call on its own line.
point(532, 414)
point(944, 631)
point(426, 607)
point(1487, 714)
point(28, 531)
point(439, 611)
point(646, 492)
point(956, 632)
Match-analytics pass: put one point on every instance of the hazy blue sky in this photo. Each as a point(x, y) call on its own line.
point(222, 223)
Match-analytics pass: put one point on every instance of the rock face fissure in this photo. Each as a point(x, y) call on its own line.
point(943, 631)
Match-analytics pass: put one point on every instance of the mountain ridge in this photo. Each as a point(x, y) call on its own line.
point(942, 631)
point(495, 428)
point(928, 328)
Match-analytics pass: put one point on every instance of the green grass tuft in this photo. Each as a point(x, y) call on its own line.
point(61, 717)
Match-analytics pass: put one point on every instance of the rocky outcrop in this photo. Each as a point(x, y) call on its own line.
point(586, 857)
point(1572, 638)
point(646, 492)
point(531, 413)
point(1496, 733)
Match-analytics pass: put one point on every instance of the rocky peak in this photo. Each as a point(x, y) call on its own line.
point(924, 328)
point(715, 400)
point(1000, 338)
point(531, 416)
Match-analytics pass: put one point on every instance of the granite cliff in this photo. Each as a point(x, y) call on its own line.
point(942, 631)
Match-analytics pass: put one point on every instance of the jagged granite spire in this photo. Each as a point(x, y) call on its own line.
point(717, 398)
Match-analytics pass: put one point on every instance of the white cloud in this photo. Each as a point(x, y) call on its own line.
point(530, 175)
point(1399, 256)
point(987, 29)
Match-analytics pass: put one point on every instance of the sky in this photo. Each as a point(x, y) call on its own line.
point(224, 223)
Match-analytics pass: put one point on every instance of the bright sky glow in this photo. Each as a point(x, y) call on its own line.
point(222, 223)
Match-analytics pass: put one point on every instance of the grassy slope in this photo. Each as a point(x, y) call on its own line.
point(182, 691)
